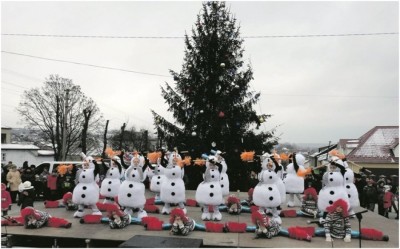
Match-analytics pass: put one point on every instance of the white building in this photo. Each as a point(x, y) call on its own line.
point(19, 153)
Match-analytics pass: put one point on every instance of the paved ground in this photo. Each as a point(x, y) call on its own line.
point(102, 232)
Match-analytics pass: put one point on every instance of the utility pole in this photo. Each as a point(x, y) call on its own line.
point(65, 121)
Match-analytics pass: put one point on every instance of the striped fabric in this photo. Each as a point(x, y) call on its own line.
point(337, 226)
point(44, 217)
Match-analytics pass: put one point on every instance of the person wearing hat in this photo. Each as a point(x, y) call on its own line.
point(14, 180)
point(117, 218)
point(387, 200)
point(265, 226)
point(181, 224)
point(337, 222)
point(27, 195)
point(360, 184)
point(36, 219)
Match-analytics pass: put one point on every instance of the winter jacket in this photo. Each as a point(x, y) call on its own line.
point(27, 197)
point(387, 200)
point(5, 200)
point(14, 179)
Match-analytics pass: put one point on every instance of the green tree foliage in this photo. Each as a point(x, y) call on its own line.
point(212, 101)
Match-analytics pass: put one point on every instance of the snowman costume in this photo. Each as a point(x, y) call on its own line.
point(266, 194)
point(351, 189)
point(131, 192)
point(112, 182)
point(334, 188)
point(173, 186)
point(294, 184)
point(209, 191)
point(86, 192)
point(277, 168)
point(159, 168)
point(224, 179)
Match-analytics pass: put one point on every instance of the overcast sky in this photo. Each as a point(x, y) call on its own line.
point(318, 89)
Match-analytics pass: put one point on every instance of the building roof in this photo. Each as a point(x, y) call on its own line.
point(45, 153)
point(375, 146)
point(19, 147)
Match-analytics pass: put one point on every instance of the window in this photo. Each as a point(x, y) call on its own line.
point(3, 156)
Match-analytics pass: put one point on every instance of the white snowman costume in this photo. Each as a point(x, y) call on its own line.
point(266, 194)
point(334, 188)
point(86, 192)
point(294, 184)
point(172, 186)
point(351, 189)
point(111, 183)
point(209, 191)
point(270, 163)
point(131, 193)
point(157, 179)
point(224, 179)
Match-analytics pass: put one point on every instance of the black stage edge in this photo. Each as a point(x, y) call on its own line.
point(143, 241)
point(49, 241)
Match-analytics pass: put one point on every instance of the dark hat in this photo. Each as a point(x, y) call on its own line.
point(356, 175)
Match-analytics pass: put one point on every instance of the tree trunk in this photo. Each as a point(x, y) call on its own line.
point(87, 114)
point(122, 136)
point(56, 139)
point(103, 155)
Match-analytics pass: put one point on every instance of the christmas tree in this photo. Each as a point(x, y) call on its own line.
point(212, 103)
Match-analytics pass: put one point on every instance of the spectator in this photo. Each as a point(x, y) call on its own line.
point(28, 175)
point(27, 195)
point(370, 195)
point(43, 189)
point(5, 200)
point(25, 165)
point(14, 179)
point(52, 185)
point(387, 200)
point(381, 195)
point(253, 181)
point(360, 184)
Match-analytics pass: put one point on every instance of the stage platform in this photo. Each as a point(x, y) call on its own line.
point(100, 235)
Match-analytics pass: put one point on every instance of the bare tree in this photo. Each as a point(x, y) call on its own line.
point(44, 108)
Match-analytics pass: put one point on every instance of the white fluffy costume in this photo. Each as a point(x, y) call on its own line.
point(224, 179)
point(111, 183)
point(131, 192)
point(209, 191)
point(351, 189)
point(294, 184)
point(334, 187)
point(173, 186)
point(86, 192)
point(266, 194)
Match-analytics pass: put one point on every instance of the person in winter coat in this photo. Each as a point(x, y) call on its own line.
point(14, 180)
point(387, 200)
point(5, 200)
point(370, 195)
point(27, 195)
point(381, 194)
point(265, 226)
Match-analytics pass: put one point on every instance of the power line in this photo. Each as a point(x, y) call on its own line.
point(84, 64)
point(331, 96)
point(9, 83)
point(181, 37)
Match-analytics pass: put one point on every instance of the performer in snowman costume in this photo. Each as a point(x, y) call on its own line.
point(86, 192)
point(294, 184)
point(159, 168)
point(209, 191)
point(275, 164)
point(173, 186)
point(111, 183)
point(334, 188)
point(131, 192)
point(266, 194)
point(351, 189)
point(224, 179)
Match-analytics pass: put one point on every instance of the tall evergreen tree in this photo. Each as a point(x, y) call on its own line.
point(212, 104)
